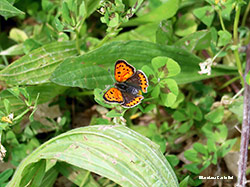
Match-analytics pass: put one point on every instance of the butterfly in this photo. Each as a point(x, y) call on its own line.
point(129, 86)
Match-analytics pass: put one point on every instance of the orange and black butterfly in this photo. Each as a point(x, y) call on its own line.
point(129, 86)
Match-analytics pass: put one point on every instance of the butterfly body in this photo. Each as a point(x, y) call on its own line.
point(129, 87)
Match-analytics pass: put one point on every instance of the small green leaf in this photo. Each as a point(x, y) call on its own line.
point(191, 155)
point(215, 115)
point(184, 128)
point(248, 78)
point(193, 168)
point(180, 115)
point(200, 148)
point(184, 182)
point(166, 67)
point(195, 41)
point(5, 175)
point(114, 21)
point(65, 13)
point(114, 113)
point(225, 37)
point(164, 33)
point(226, 147)
point(6, 103)
point(194, 111)
point(173, 160)
point(156, 15)
point(33, 174)
point(205, 14)
point(156, 91)
point(211, 146)
point(83, 10)
point(7, 10)
point(13, 50)
point(29, 45)
point(186, 25)
point(18, 35)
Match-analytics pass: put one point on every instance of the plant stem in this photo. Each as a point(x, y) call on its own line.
point(245, 129)
point(77, 42)
point(245, 15)
point(221, 20)
point(85, 178)
point(235, 37)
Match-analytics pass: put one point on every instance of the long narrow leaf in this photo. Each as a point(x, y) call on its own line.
point(36, 67)
point(91, 70)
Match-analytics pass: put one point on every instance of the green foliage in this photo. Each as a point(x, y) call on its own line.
point(57, 60)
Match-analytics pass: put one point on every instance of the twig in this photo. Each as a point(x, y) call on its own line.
point(245, 129)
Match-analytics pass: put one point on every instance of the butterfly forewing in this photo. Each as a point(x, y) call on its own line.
point(113, 95)
point(123, 71)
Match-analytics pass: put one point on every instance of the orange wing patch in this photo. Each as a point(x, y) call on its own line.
point(113, 95)
point(123, 71)
point(143, 81)
point(134, 102)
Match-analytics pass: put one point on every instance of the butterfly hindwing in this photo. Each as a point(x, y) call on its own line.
point(131, 100)
point(139, 79)
point(123, 71)
point(113, 95)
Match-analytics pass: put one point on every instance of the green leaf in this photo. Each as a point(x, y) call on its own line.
point(156, 15)
point(225, 37)
point(169, 92)
point(18, 35)
point(115, 152)
point(173, 160)
point(205, 14)
point(166, 67)
point(194, 112)
point(29, 45)
point(18, 106)
point(36, 67)
point(6, 103)
point(50, 177)
point(226, 147)
point(191, 155)
point(185, 25)
point(195, 41)
point(114, 21)
point(5, 175)
point(90, 70)
point(247, 79)
point(114, 113)
point(193, 168)
point(211, 146)
point(184, 182)
point(13, 50)
point(156, 91)
point(184, 128)
point(215, 115)
point(33, 174)
point(227, 8)
point(76, 174)
point(180, 115)
point(7, 10)
point(200, 148)
point(65, 13)
point(144, 32)
point(164, 33)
